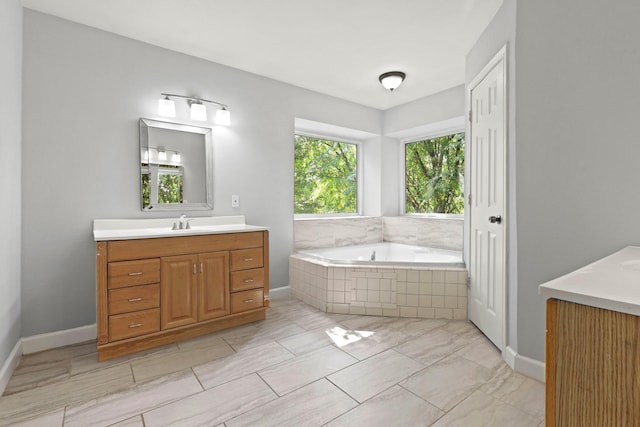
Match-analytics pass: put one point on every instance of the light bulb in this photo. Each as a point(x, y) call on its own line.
point(223, 117)
point(166, 107)
point(198, 112)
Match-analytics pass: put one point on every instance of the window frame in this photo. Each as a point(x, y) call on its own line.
point(403, 171)
point(359, 174)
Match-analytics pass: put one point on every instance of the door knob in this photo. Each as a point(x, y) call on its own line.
point(495, 219)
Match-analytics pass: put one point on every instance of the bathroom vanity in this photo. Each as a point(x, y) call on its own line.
point(156, 285)
point(592, 357)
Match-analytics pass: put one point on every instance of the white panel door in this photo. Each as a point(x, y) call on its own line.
point(486, 200)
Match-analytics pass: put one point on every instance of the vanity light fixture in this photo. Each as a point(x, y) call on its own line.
point(223, 117)
point(176, 158)
point(392, 79)
point(198, 111)
point(162, 155)
point(166, 108)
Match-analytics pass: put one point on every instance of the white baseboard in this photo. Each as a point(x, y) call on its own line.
point(525, 365)
point(509, 356)
point(281, 292)
point(51, 340)
point(9, 365)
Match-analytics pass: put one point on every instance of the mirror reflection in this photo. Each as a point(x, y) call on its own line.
point(176, 166)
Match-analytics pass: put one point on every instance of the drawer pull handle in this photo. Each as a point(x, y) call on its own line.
point(135, 299)
point(139, 273)
point(247, 301)
point(135, 325)
point(248, 259)
point(248, 281)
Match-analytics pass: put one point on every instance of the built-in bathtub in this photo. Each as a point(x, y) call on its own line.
point(403, 280)
point(385, 253)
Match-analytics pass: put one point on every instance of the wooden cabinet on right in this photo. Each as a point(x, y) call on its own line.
point(592, 366)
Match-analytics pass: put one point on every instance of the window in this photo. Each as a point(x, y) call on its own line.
point(434, 175)
point(161, 184)
point(325, 176)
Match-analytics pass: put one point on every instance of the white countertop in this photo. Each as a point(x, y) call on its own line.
point(129, 229)
point(612, 283)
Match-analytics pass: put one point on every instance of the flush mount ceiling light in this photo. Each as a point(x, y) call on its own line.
point(167, 108)
point(392, 79)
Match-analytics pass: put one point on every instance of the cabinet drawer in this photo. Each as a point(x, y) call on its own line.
point(247, 279)
point(131, 273)
point(246, 300)
point(135, 298)
point(246, 258)
point(129, 325)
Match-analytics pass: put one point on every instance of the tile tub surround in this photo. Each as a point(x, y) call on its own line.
point(444, 233)
point(313, 233)
point(415, 372)
point(380, 291)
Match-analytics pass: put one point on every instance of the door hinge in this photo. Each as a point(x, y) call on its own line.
point(469, 199)
point(470, 115)
point(468, 282)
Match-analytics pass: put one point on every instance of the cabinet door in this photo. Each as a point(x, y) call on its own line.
point(178, 284)
point(213, 285)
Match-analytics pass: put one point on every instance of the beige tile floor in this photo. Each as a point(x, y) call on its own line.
point(300, 367)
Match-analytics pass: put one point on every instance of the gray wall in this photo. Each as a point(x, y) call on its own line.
point(84, 90)
point(578, 64)
point(10, 174)
point(573, 158)
point(501, 32)
point(435, 108)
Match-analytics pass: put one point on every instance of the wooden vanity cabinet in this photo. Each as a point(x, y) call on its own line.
point(179, 289)
point(213, 286)
point(152, 292)
point(592, 365)
point(194, 288)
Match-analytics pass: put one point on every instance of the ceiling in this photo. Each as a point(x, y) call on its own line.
point(335, 47)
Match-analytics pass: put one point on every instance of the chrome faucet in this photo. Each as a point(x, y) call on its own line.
point(373, 256)
point(182, 223)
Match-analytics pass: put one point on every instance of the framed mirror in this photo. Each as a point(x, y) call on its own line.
point(176, 166)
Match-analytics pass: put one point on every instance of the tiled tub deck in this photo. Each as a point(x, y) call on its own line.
point(396, 291)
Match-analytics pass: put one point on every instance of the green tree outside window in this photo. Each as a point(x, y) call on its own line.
point(325, 176)
point(434, 175)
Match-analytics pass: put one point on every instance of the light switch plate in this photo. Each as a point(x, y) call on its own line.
point(235, 201)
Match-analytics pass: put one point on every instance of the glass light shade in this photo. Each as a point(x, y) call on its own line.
point(166, 107)
point(198, 112)
point(176, 158)
point(162, 155)
point(391, 82)
point(392, 79)
point(223, 117)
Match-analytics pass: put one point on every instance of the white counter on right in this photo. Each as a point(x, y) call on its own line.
point(612, 283)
